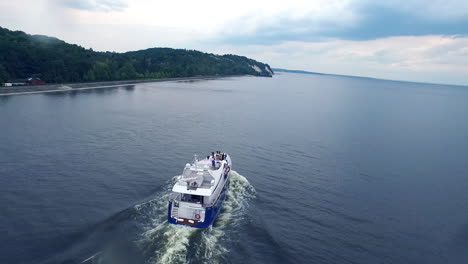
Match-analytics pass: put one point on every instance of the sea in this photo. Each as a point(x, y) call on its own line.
point(326, 169)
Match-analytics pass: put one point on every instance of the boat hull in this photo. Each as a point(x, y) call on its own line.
point(210, 212)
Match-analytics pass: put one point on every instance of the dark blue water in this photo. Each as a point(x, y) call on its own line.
point(327, 170)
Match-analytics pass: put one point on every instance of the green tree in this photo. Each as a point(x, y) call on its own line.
point(23, 55)
point(4, 76)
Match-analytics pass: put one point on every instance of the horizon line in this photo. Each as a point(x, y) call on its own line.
point(362, 77)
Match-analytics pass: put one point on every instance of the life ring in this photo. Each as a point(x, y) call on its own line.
point(197, 216)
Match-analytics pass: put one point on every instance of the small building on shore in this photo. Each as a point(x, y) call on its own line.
point(35, 81)
point(18, 82)
point(24, 82)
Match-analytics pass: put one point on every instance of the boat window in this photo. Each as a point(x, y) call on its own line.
point(192, 198)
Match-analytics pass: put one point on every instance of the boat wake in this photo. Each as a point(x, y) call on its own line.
point(180, 244)
point(158, 241)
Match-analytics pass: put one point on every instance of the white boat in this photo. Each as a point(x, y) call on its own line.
point(199, 192)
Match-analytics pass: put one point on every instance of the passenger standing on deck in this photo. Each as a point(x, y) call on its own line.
point(212, 159)
point(217, 163)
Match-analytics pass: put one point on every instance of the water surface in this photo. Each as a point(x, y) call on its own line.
point(327, 170)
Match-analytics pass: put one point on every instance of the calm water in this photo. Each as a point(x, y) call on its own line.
point(327, 170)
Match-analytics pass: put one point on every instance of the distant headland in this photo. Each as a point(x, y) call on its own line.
point(50, 60)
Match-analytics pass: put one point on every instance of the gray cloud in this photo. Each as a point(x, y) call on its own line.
point(436, 59)
point(96, 5)
point(368, 21)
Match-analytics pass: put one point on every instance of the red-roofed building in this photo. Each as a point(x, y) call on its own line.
point(35, 81)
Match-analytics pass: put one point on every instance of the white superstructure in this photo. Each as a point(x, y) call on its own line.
point(198, 192)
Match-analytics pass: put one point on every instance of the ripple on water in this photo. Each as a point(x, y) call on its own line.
point(161, 242)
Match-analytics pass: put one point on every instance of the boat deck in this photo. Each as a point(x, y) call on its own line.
point(202, 169)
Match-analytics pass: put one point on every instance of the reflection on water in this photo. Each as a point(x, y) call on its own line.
point(4, 99)
point(97, 91)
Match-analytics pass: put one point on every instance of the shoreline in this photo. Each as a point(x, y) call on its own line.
point(51, 88)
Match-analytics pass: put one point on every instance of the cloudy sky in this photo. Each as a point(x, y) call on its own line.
point(414, 40)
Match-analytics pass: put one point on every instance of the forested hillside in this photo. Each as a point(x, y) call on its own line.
point(55, 61)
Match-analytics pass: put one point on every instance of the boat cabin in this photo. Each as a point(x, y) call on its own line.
point(198, 182)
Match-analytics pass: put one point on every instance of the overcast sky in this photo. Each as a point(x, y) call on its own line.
point(414, 40)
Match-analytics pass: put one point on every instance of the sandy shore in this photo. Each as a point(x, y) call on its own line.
point(18, 90)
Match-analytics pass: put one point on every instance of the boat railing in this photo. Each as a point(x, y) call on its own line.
point(175, 196)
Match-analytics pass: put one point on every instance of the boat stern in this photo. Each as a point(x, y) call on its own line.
point(198, 218)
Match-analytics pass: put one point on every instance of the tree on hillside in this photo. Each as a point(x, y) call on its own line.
point(55, 61)
point(4, 76)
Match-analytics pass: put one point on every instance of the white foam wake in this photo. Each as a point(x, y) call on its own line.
point(178, 244)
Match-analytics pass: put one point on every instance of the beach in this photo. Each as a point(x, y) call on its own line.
point(49, 88)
